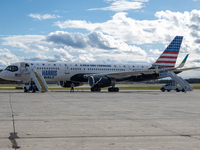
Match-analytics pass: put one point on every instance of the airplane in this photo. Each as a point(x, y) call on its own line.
point(99, 75)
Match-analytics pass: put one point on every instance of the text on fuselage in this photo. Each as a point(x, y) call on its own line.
point(49, 74)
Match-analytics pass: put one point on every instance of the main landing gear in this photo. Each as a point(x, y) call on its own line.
point(95, 89)
point(113, 89)
point(98, 89)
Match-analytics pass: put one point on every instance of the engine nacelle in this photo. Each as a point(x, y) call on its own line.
point(68, 83)
point(101, 82)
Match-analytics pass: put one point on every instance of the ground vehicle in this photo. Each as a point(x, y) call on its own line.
point(172, 86)
point(30, 86)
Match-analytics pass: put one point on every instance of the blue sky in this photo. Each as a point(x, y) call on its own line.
point(123, 31)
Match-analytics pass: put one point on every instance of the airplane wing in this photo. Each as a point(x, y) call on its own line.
point(120, 75)
point(185, 69)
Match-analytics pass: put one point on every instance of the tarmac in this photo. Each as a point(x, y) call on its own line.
point(127, 120)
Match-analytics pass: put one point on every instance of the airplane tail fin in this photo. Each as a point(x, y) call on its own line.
point(169, 56)
point(183, 62)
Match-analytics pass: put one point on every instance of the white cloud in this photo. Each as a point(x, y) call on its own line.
point(122, 5)
point(163, 29)
point(155, 51)
point(6, 57)
point(120, 27)
point(190, 74)
point(44, 17)
point(28, 43)
point(87, 58)
point(62, 54)
point(64, 46)
point(76, 24)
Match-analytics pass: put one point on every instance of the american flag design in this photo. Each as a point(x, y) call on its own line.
point(18, 75)
point(169, 56)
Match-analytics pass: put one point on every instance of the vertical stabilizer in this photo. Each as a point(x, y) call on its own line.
point(169, 56)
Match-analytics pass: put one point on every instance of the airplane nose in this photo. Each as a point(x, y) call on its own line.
point(2, 74)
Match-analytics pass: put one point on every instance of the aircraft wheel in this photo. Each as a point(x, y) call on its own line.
point(99, 89)
point(116, 89)
point(162, 89)
point(92, 89)
point(113, 89)
point(95, 89)
point(177, 90)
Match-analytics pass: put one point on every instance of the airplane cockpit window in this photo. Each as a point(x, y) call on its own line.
point(12, 68)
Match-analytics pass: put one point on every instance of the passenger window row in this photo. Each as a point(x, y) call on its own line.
point(75, 68)
point(99, 69)
point(106, 69)
point(49, 68)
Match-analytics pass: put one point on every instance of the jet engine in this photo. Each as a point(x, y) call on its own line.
point(68, 83)
point(100, 82)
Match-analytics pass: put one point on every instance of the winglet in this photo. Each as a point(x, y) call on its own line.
point(183, 62)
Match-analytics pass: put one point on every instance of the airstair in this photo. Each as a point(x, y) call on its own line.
point(184, 84)
point(37, 78)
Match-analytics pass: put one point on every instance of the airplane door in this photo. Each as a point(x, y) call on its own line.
point(67, 69)
point(22, 66)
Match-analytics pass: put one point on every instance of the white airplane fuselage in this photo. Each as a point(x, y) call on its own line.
point(60, 71)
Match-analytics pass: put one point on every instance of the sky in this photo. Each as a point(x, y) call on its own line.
point(103, 31)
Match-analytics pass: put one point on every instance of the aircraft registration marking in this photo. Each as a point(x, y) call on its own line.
point(164, 74)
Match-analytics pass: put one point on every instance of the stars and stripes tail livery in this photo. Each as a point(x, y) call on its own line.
point(169, 56)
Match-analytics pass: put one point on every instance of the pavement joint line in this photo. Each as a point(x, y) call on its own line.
point(112, 136)
point(13, 135)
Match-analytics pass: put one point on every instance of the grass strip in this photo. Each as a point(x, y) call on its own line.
point(128, 87)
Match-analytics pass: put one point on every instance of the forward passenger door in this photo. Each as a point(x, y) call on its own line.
point(67, 69)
